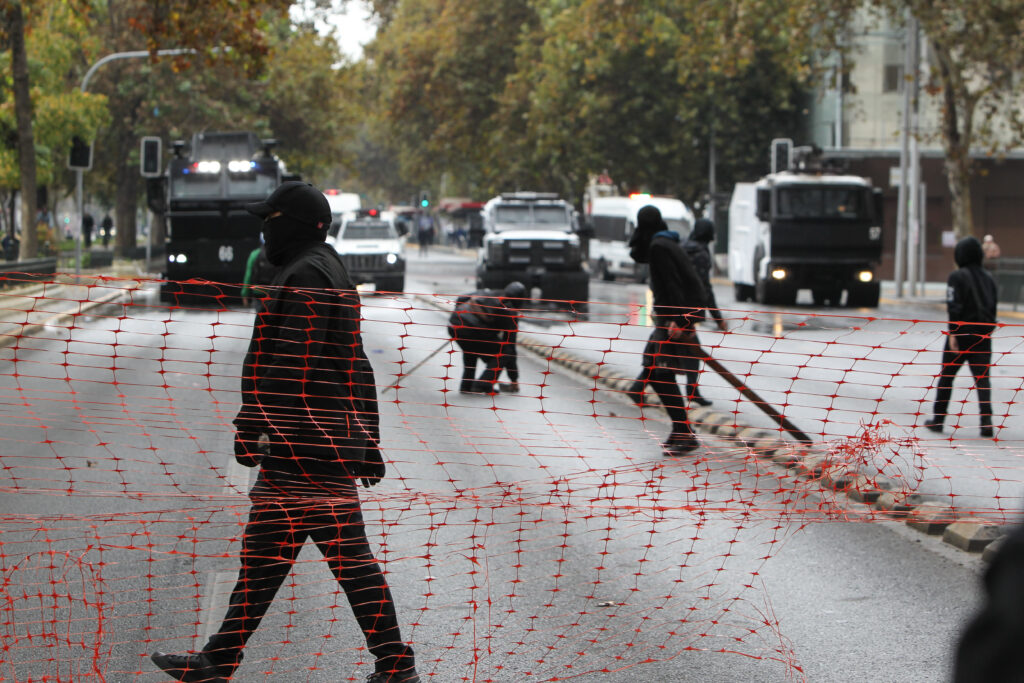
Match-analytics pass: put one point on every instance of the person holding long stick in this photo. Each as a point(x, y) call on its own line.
point(678, 295)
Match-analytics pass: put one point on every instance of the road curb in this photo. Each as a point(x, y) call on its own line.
point(877, 493)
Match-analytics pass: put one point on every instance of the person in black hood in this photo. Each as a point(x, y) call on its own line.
point(308, 393)
point(485, 325)
point(696, 248)
point(971, 300)
point(678, 299)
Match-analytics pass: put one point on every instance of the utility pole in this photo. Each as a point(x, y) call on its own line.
point(915, 266)
point(906, 239)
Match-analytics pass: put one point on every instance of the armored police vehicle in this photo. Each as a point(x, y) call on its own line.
point(372, 250)
point(203, 196)
point(531, 237)
point(809, 227)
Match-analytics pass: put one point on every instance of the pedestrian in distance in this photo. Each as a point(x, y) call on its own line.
point(696, 248)
point(308, 391)
point(425, 232)
point(88, 223)
point(484, 325)
point(971, 301)
point(106, 228)
point(990, 247)
point(678, 296)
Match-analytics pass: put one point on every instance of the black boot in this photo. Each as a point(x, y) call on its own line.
point(195, 668)
point(934, 425)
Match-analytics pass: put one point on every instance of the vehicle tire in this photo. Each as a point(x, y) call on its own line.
point(602, 269)
point(744, 292)
point(392, 284)
point(863, 295)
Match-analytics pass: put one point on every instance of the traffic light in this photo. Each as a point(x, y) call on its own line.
point(149, 157)
point(424, 200)
point(81, 154)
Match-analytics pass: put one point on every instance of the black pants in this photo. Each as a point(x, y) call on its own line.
point(663, 358)
point(976, 352)
point(274, 535)
point(477, 350)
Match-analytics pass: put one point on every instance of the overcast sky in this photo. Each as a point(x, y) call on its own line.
point(352, 28)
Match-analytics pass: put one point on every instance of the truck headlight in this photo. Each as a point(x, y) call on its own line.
point(391, 258)
point(779, 274)
point(865, 276)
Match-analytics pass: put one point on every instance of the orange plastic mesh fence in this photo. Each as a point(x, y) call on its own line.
point(531, 535)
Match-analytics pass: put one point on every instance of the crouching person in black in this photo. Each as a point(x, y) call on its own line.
point(308, 386)
point(484, 324)
point(672, 348)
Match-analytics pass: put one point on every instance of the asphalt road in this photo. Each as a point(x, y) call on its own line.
point(538, 536)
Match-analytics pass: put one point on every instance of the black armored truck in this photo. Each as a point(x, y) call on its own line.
point(203, 196)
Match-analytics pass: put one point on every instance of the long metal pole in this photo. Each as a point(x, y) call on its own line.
point(917, 237)
point(901, 198)
point(81, 214)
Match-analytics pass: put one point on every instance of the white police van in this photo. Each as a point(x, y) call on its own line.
point(372, 250)
point(613, 220)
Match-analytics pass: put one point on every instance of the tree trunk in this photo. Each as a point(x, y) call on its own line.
point(26, 141)
point(125, 208)
point(957, 123)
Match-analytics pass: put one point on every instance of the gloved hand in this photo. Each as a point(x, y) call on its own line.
point(250, 447)
point(371, 470)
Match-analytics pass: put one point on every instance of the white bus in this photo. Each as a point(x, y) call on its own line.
point(613, 220)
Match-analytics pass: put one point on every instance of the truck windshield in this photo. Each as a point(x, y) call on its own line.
point(535, 216)
point(368, 231)
point(815, 201)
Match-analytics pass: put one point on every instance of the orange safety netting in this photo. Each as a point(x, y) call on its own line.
point(535, 535)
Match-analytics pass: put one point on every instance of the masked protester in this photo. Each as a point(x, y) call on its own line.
point(678, 297)
point(696, 247)
point(484, 325)
point(971, 301)
point(308, 390)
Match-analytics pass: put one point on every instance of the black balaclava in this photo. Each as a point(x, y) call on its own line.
point(648, 222)
point(968, 252)
point(285, 237)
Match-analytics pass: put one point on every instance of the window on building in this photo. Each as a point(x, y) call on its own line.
point(892, 80)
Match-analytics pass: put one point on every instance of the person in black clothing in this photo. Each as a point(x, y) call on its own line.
point(678, 297)
point(88, 223)
point(990, 646)
point(484, 324)
point(696, 248)
point(308, 389)
point(106, 227)
point(971, 300)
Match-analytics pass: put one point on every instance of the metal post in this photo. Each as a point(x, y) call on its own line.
point(917, 237)
point(81, 214)
point(901, 201)
point(709, 211)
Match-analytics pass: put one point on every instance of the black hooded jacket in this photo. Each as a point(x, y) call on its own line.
point(971, 292)
point(676, 286)
point(696, 248)
point(306, 380)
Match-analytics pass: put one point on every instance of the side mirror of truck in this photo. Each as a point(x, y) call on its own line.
point(879, 206)
point(764, 204)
